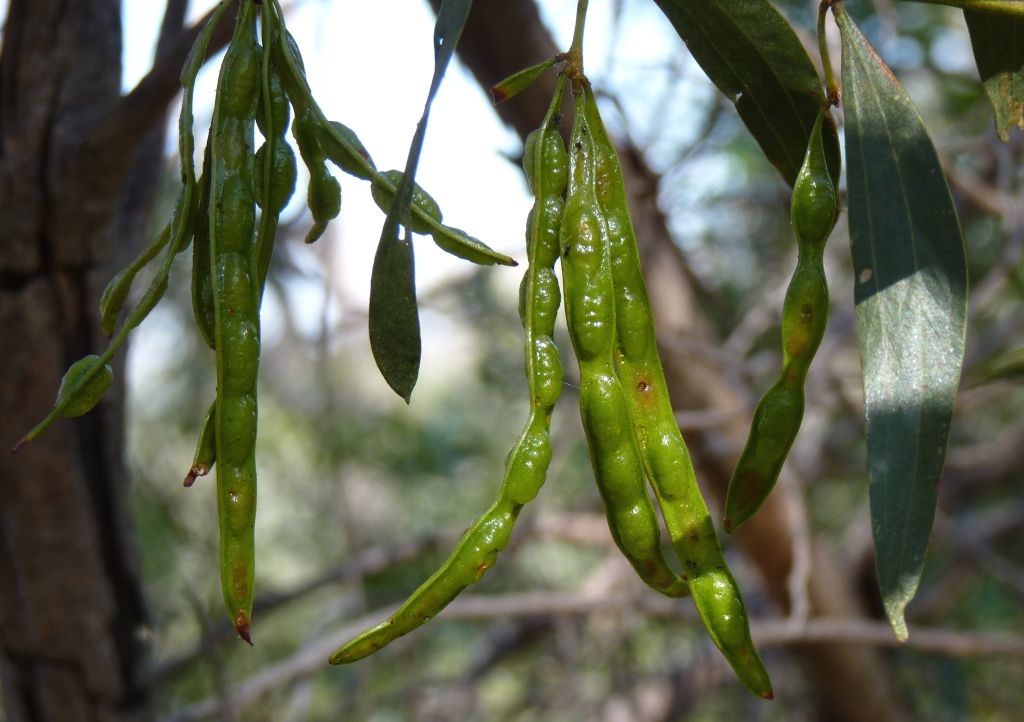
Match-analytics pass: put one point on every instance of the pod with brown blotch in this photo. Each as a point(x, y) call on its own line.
point(236, 293)
point(665, 457)
point(780, 412)
point(588, 281)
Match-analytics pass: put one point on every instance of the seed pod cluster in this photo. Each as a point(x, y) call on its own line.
point(591, 314)
point(624, 405)
point(230, 217)
point(778, 415)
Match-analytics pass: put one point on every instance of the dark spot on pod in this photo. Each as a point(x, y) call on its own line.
point(644, 386)
point(693, 534)
point(579, 146)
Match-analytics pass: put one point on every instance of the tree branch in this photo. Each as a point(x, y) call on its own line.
point(766, 633)
point(146, 105)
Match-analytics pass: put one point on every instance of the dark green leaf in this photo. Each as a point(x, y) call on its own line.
point(911, 295)
point(513, 85)
point(998, 43)
point(753, 55)
point(394, 318)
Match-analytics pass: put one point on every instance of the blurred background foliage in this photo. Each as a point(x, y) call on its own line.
point(345, 467)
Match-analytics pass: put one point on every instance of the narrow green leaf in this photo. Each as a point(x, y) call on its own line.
point(1004, 7)
point(513, 85)
point(394, 316)
point(998, 43)
point(753, 55)
point(911, 296)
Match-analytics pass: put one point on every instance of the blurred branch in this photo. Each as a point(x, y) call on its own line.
point(980, 464)
point(367, 563)
point(767, 632)
point(986, 197)
point(585, 529)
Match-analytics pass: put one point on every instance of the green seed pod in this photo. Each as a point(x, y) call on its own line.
point(281, 114)
point(236, 294)
point(206, 448)
point(665, 457)
point(116, 292)
point(780, 412)
point(324, 193)
point(202, 279)
point(588, 280)
point(284, 176)
point(85, 398)
point(384, 197)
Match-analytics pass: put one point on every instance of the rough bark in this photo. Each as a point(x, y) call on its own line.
point(72, 615)
point(504, 36)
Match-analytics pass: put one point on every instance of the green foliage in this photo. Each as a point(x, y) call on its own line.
point(911, 295)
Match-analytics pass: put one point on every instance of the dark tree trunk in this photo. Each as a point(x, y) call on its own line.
point(72, 616)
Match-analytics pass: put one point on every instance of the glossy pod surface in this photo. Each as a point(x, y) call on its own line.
point(665, 457)
point(527, 463)
point(780, 412)
point(591, 316)
point(236, 291)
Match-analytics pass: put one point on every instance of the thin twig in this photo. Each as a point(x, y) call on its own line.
point(146, 104)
